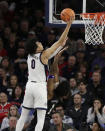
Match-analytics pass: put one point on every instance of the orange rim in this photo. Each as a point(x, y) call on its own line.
point(91, 15)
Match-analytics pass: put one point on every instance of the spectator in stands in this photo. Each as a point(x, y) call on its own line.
point(51, 38)
point(21, 71)
point(38, 15)
point(65, 119)
point(87, 96)
point(70, 69)
point(24, 28)
point(13, 111)
point(81, 45)
point(80, 57)
point(5, 64)
point(71, 45)
point(83, 68)
point(20, 54)
point(4, 106)
point(95, 69)
point(17, 95)
point(73, 86)
point(7, 11)
point(3, 79)
point(31, 34)
point(12, 124)
point(58, 124)
point(77, 112)
point(13, 81)
point(12, 46)
point(21, 42)
point(96, 87)
point(79, 76)
point(96, 113)
point(39, 32)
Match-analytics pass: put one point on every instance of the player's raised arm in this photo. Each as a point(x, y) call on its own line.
point(60, 43)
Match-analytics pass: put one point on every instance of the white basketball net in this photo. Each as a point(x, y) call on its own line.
point(93, 29)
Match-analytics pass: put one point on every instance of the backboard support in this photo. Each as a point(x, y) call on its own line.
point(54, 7)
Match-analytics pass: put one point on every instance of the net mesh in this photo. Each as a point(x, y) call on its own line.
point(94, 27)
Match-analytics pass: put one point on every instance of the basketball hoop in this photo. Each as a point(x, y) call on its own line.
point(94, 27)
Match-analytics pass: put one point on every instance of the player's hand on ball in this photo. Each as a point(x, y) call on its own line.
point(71, 20)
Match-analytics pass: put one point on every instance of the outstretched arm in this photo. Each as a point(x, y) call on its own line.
point(53, 82)
point(58, 49)
point(61, 42)
point(55, 65)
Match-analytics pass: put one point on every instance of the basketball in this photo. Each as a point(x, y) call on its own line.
point(66, 14)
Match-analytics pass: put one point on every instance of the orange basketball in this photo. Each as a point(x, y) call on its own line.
point(66, 14)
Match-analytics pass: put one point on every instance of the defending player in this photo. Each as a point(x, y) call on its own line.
point(36, 90)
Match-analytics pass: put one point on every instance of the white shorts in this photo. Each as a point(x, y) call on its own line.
point(35, 95)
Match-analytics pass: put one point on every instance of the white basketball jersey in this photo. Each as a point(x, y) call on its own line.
point(36, 69)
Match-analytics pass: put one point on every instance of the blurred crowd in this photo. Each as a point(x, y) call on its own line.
point(76, 98)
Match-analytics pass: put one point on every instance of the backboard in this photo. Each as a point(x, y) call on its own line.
point(54, 7)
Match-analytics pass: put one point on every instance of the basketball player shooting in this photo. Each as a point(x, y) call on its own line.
point(36, 90)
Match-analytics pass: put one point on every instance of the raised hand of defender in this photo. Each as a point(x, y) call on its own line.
point(56, 58)
point(55, 65)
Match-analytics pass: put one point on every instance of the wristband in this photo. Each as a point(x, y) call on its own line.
point(51, 76)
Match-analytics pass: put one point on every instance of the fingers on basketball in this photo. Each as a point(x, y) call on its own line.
point(67, 14)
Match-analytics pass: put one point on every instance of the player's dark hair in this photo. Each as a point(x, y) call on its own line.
point(30, 46)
